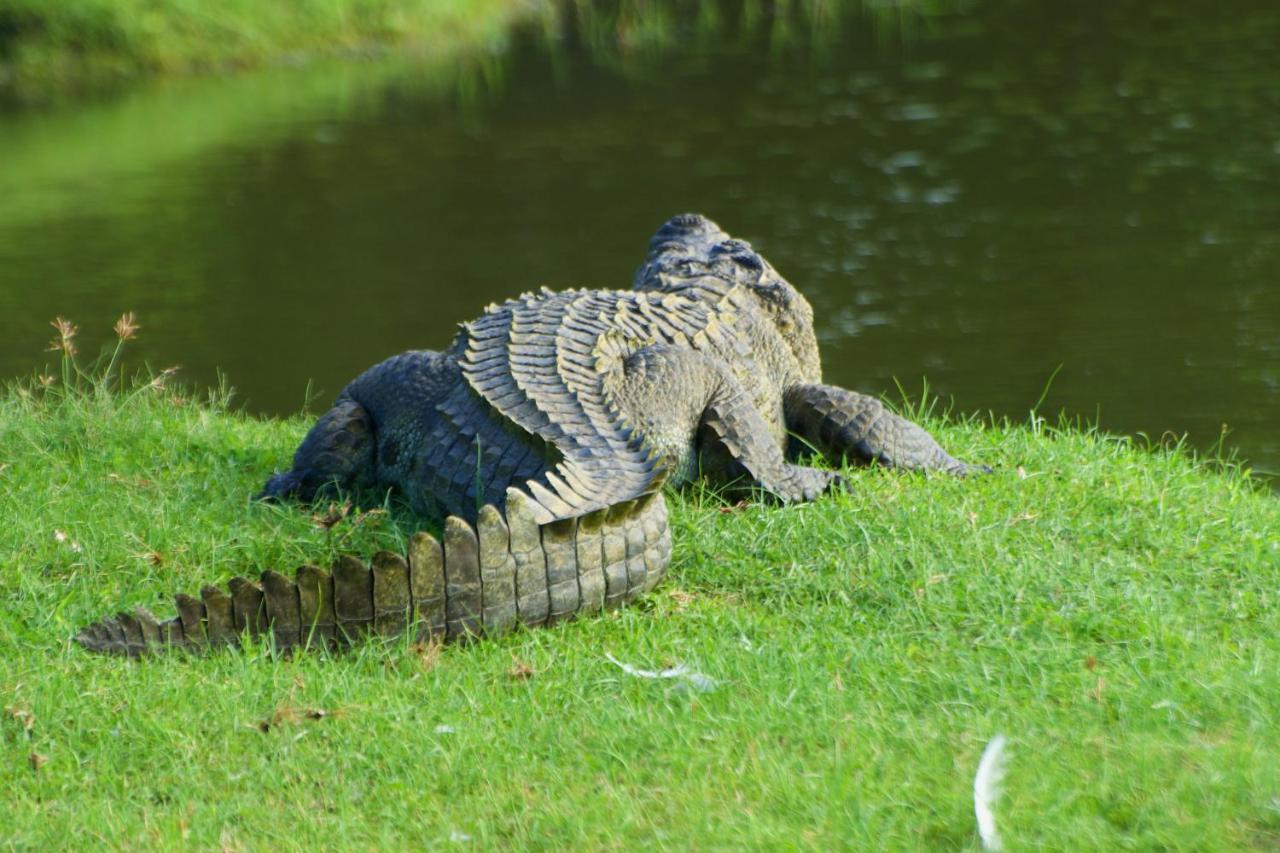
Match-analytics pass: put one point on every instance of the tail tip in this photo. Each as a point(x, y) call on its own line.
point(93, 639)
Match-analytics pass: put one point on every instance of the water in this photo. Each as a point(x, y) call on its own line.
point(981, 200)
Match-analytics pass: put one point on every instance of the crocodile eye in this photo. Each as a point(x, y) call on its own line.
point(786, 325)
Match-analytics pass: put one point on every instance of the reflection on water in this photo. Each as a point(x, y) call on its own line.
point(1010, 189)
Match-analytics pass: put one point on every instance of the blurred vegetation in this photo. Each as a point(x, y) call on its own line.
point(630, 33)
point(45, 44)
point(51, 46)
point(459, 49)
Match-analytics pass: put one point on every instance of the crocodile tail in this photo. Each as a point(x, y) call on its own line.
point(482, 580)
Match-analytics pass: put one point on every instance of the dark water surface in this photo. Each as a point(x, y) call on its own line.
point(976, 199)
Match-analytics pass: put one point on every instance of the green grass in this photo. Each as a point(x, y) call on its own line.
point(1111, 609)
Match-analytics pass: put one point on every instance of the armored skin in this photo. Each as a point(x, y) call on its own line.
point(543, 436)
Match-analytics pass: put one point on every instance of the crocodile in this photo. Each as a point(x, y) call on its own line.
point(543, 437)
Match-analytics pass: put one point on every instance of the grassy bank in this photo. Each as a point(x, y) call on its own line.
point(45, 44)
point(1111, 610)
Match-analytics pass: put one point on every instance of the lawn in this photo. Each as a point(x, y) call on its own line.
point(1110, 609)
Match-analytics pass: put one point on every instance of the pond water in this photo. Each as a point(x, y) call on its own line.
point(982, 200)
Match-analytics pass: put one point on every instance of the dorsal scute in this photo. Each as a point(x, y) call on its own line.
point(548, 362)
point(536, 361)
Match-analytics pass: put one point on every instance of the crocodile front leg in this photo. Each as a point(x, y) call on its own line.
point(843, 424)
point(693, 411)
point(736, 446)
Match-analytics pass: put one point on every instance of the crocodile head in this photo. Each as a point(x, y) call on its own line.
point(690, 251)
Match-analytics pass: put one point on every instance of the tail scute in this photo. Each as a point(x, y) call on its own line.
point(283, 609)
point(533, 604)
point(316, 617)
point(218, 622)
point(392, 597)
point(589, 552)
point(497, 571)
point(482, 580)
point(352, 598)
point(191, 617)
point(426, 584)
point(248, 606)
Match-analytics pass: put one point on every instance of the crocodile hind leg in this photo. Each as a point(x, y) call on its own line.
point(843, 424)
point(338, 451)
point(357, 443)
point(693, 410)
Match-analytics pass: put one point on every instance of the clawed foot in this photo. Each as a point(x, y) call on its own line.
point(966, 469)
point(809, 484)
point(281, 486)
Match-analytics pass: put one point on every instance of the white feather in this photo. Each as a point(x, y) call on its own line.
point(986, 790)
point(673, 672)
point(695, 681)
